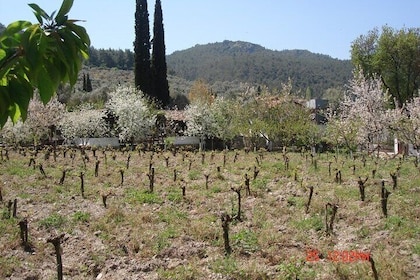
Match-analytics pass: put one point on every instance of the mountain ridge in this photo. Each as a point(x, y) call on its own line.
point(252, 63)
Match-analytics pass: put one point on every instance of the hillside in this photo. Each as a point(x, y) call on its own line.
point(251, 63)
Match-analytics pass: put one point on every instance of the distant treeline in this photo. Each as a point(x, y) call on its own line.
point(111, 58)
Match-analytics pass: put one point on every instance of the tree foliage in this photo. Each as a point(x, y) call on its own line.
point(361, 119)
point(40, 123)
point(250, 63)
point(142, 46)
point(134, 114)
point(158, 63)
point(405, 122)
point(200, 92)
point(395, 56)
point(84, 122)
point(41, 56)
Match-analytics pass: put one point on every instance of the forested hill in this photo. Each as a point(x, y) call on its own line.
point(247, 62)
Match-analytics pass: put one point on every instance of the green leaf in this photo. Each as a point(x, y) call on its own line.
point(61, 20)
point(14, 113)
point(64, 10)
point(39, 13)
point(15, 27)
point(45, 86)
point(80, 31)
point(2, 54)
point(20, 92)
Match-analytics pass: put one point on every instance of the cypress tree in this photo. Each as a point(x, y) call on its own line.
point(88, 83)
point(142, 71)
point(84, 82)
point(158, 64)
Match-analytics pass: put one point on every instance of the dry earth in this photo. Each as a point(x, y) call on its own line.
point(165, 235)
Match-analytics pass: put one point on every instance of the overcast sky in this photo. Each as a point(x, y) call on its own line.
point(320, 26)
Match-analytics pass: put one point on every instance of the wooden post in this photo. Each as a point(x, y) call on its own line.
point(151, 176)
point(329, 225)
point(206, 176)
point(394, 177)
point(56, 241)
point(256, 171)
point(311, 191)
point(14, 208)
point(41, 169)
point(226, 219)
point(247, 186)
point(82, 184)
point(23, 225)
point(362, 187)
point(122, 176)
point(128, 161)
point(63, 177)
point(384, 199)
point(329, 168)
point(372, 265)
point(97, 168)
point(238, 192)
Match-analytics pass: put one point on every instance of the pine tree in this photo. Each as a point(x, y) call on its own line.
point(158, 63)
point(142, 71)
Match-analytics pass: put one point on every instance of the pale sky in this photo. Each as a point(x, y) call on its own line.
point(320, 26)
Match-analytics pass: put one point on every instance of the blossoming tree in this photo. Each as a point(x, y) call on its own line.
point(361, 119)
point(40, 122)
point(133, 112)
point(84, 122)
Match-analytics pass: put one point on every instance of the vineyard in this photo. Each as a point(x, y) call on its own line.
point(96, 213)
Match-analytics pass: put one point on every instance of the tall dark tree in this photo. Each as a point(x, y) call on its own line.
point(88, 83)
point(84, 82)
point(158, 64)
point(142, 70)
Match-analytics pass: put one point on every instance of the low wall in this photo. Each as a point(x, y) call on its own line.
point(186, 140)
point(98, 142)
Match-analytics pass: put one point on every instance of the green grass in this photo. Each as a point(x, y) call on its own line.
point(54, 221)
point(135, 196)
point(246, 240)
point(151, 223)
point(315, 222)
point(81, 216)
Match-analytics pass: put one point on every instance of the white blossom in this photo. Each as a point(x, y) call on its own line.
point(84, 122)
point(406, 122)
point(200, 120)
point(361, 117)
point(37, 127)
point(133, 112)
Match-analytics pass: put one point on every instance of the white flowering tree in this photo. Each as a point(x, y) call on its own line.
point(200, 120)
point(41, 121)
point(134, 113)
point(405, 122)
point(223, 111)
point(361, 118)
point(213, 119)
point(84, 122)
